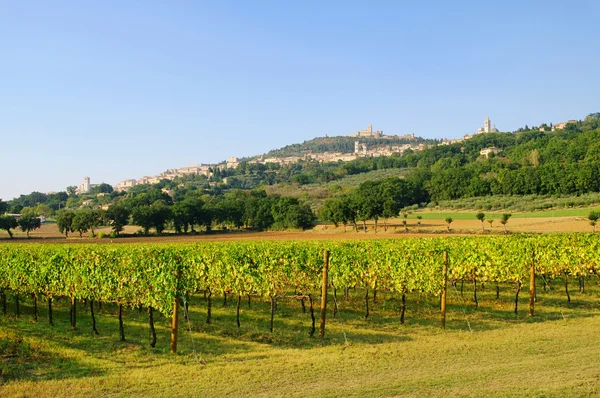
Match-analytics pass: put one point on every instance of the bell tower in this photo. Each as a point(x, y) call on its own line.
point(486, 126)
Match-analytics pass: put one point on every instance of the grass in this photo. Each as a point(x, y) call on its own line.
point(552, 354)
point(470, 215)
point(525, 203)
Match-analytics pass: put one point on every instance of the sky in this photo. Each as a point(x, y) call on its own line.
point(116, 90)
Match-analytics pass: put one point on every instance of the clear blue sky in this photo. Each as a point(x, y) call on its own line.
point(121, 89)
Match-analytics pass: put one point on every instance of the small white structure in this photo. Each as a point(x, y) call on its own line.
point(486, 151)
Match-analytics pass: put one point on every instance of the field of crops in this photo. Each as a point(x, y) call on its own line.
point(251, 314)
point(152, 276)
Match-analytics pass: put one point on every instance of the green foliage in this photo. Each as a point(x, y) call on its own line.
point(449, 221)
point(593, 217)
point(289, 213)
point(117, 216)
point(85, 220)
point(64, 221)
point(504, 220)
point(43, 210)
point(101, 188)
point(144, 274)
point(7, 223)
point(153, 216)
point(3, 207)
point(28, 222)
point(370, 201)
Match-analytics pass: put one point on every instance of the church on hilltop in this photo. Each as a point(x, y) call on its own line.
point(488, 127)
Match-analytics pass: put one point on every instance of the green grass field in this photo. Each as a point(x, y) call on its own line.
point(470, 215)
point(554, 353)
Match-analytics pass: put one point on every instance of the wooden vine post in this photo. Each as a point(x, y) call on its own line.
point(444, 289)
point(175, 319)
point(532, 285)
point(324, 292)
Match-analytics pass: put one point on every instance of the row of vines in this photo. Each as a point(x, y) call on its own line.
point(151, 275)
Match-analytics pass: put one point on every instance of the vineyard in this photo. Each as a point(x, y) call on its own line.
point(153, 276)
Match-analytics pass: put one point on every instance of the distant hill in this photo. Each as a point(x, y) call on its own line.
point(342, 144)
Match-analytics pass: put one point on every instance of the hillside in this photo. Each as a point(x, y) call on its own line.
point(531, 162)
point(341, 144)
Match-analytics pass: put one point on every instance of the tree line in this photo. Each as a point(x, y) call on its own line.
point(372, 200)
point(156, 211)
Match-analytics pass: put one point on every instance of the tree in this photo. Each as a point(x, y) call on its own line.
point(117, 216)
point(338, 210)
point(232, 208)
point(160, 213)
point(43, 210)
point(72, 190)
point(64, 221)
point(328, 212)
point(504, 220)
point(491, 222)
point(448, 222)
point(153, 216)
point(189, 212)
point(593, 217)
point(7, 223)
point(101, 188)
point(419, 222)
point(395, 195)
point(404, 221)
point(84, 220)
point(481, 217)
point(368, 202)
point(28, 222)
point(3, 207)
point(290, 213)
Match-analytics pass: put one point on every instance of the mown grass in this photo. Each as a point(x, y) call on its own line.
point(552, 354)
point(470, 215)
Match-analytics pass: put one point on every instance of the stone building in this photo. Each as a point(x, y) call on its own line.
point(369, 133)
point(86, 186)
point(487, 127)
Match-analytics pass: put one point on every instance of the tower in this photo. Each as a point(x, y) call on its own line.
point(86, 184)
point(356, 147)
point(486, 126)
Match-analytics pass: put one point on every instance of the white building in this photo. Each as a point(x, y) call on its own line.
point(86, 186)
point(487, 127)
point(487, 151)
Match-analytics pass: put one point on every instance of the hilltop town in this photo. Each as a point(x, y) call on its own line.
point(366, 143)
